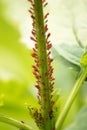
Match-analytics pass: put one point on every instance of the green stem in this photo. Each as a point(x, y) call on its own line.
point(15, 123)
point(70, 100)
point(43, 64)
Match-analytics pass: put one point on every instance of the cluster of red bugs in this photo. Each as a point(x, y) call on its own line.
point(35, 54)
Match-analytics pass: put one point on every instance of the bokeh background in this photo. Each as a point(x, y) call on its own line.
point(16, 78)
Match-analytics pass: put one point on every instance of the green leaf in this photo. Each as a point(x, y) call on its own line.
point(16, 76)
point(83, 61)
point(69, 54)
point(61, 59)
point(80, 122)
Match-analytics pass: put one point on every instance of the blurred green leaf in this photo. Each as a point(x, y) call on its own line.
point(80, 122)
point(15, 57)
point(16, 78)
point(59, 58)
point(71, 53)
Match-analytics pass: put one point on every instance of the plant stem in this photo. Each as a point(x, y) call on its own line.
point(43, 64)
point(13, 122)
point(42, 69)
point(70, 99)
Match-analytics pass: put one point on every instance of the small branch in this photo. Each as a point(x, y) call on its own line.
point(70, 100)
point(15, 123)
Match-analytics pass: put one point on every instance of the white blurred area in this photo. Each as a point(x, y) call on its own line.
point(63, 13)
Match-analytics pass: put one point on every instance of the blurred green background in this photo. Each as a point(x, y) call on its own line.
point(16, 78)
